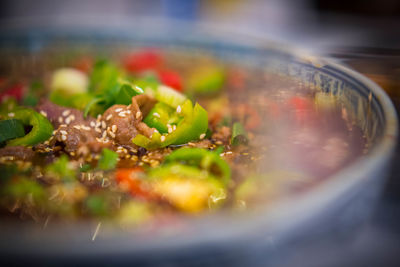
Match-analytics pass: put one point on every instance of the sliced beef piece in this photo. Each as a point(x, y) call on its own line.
point(80, 139)
point(17, 152)
point(73, 132)
point(58, 115)
point(125, 122)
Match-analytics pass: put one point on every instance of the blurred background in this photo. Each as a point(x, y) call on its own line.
point(364, 34)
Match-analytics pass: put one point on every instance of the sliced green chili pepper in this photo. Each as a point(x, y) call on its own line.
point(41, 127)
point(239, 135)
point(160, 116)
point(169, 96)
point(192, 126)
point(204, 159)
point(11, 129)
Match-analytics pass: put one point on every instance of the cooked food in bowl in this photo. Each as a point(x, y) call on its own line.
point(150, 135)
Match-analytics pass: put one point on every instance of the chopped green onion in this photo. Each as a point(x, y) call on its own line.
point(85, 168)
point(239, 135)
point(11, 129)
point(61, 169)
point(97, 205)
point(108, 160)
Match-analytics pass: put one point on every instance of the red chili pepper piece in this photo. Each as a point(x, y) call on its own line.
point(142, 61)
point(130, 179)
point(15, 91)
point(171, 78)
point(303, 109)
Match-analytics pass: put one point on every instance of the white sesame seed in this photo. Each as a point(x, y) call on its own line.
point(63, 132)
point(114, 128)
point(118, 109)
point(128, 111)
point(122, 115)
point(228, 152)
point(11, 114)
point(43, 113)
point(63, 137)
point(66, 112)
point(97, 130)
point(138, 114)
point(103, 125)
point(111, 134)
point(67, 120)
point(155, 114)
point(178, 109)
point(162, 138)
point(86, 128)
point(92, 124)
point(72, 117)
point(109, 117)
point(98, 124)
point(77, 127)
point(99, 117)
point(60, 119)
point(99, 140)
point(202, 136)
point(104, 135)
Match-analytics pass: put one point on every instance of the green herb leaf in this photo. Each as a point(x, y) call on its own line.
point(11, 129)
point(126, 92)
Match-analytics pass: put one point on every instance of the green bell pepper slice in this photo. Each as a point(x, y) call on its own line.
point(193, 124)
point(41, 127)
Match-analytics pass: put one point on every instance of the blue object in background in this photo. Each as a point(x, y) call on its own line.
point(178, 9)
